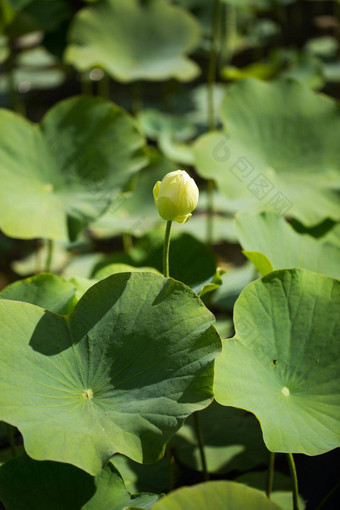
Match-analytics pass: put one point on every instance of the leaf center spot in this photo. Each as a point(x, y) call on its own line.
point(48, 188)
point(285, 391)
point(87, 394)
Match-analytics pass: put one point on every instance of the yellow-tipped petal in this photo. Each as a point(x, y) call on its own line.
point(156, 191)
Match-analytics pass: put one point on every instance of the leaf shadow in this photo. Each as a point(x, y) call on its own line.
point(54, 334)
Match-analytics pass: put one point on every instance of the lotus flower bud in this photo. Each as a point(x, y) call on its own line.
point(176, 196)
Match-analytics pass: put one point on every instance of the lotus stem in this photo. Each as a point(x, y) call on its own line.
point(270, 477)
point(166, 249)
point(293, 475)
point(50, 248)
point(200, 441)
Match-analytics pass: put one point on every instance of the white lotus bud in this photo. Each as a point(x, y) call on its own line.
point(176, 196)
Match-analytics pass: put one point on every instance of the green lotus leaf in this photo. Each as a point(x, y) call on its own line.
point(72, 166)
point(232, 441)
point(25, 80)
point(26, 483)
point(262, 70)
point(134, 40)
point(36, 57)
point(324, 46)
point(111, 269)
point(304, 68)
point(48, 291)
point(331, 71)
point(118, 375)
point(154, 122)
point(32, 262)
point(279, 151)
point(218, 495)
point(283, 362)
point(35, 69)
point(271, 243)
point(81, 266)
point(210, 284)
point(260, 261)
point(180, 153)
point(283, 63)
point(52, 292)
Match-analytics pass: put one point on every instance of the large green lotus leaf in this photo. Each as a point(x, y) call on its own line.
point(218, 495)
point(232, 441)
point(268, 236)
point(134, 40)
point(118, 375)
point(73, 165)
point(48, 291)
point(26, 483)
point(283, 362)
point(279, 151)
